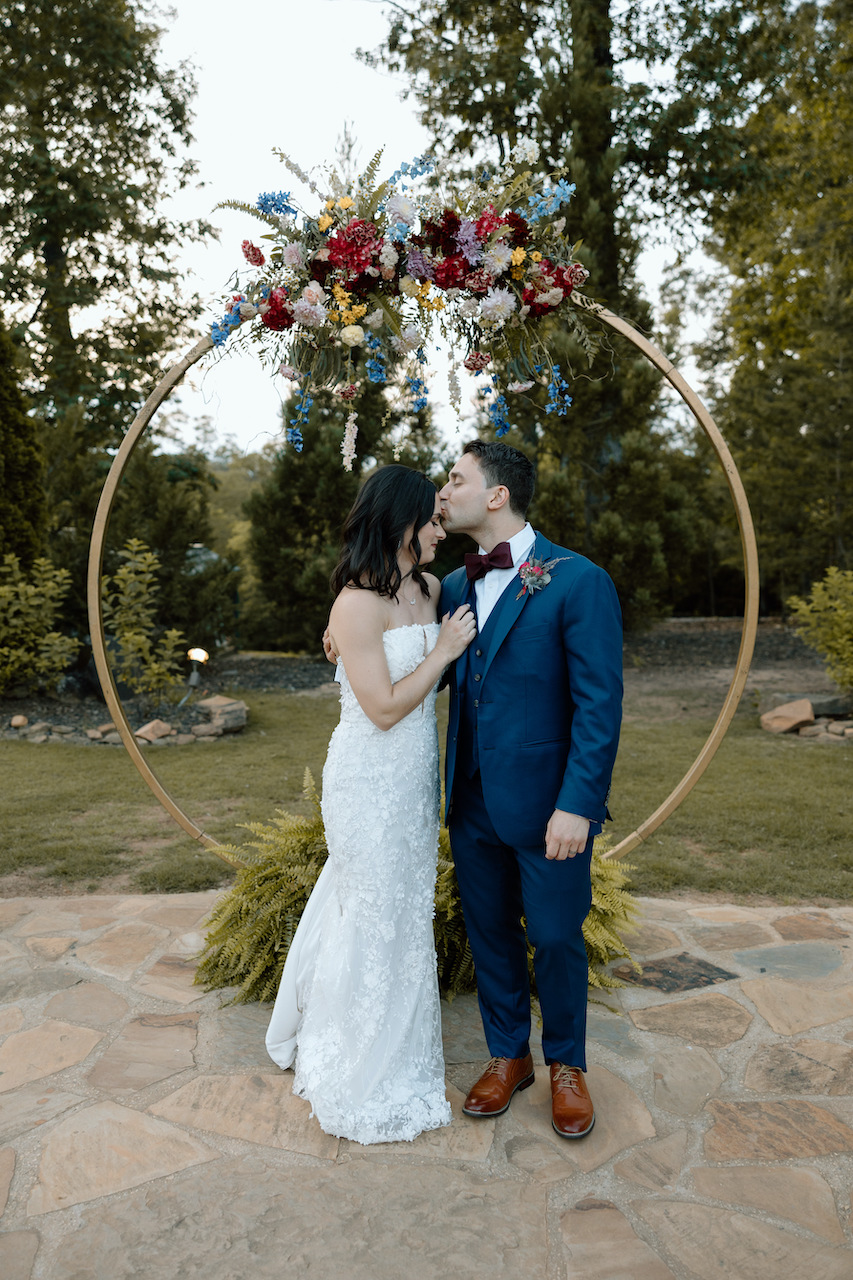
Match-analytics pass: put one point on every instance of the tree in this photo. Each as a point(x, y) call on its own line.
point(22, 513)
point(93, 139)
point(782, 356)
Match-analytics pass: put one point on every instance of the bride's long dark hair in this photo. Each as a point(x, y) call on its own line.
point(391, 501)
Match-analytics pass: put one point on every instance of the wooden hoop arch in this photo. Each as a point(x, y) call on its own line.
point(750, 557)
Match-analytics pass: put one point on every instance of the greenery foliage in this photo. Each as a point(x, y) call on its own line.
point(252, 925)
point(147, 659)
point(825, 621)
point(22, 512)
point(32, 652)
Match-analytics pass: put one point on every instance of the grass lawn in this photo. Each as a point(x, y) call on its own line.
point(770, 819)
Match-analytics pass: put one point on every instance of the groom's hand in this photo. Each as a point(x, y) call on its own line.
point(328, 648)
point(565, 835)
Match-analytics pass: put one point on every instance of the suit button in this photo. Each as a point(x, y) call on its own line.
point(478, 653)
point(477, 677)
point(476, 703)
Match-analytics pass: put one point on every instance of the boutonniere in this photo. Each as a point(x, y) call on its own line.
point(536, 574)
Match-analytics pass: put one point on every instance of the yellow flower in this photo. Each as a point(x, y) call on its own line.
point(340, 293)
point(354, 313)
point(334, 315)
point(330, 204)
point(325, 222)
point(345, 202)
point(517, 273)
point(536, 255)
point(518, 256)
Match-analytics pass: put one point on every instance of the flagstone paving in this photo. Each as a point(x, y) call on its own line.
point(144, 1131)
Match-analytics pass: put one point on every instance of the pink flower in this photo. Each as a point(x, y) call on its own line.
point(348, 392)
point(253, 254)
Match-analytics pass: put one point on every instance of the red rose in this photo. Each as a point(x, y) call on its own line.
point(252, 254)
point(488, 221)
point(450, 272)
point(278, 315)
point(353, 246)
point(476, 361)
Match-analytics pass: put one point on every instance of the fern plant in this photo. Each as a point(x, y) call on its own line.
point(253, 924)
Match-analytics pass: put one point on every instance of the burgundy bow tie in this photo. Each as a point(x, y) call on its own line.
point(477, 566)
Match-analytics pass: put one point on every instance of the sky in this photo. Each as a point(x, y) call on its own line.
point(280, 73)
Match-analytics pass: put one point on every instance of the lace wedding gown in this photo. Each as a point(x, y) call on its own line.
point(357, 1008)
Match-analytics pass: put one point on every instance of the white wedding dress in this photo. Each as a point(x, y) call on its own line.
point(357, 1010)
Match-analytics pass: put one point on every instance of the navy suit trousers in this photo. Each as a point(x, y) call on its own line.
point(499, 884)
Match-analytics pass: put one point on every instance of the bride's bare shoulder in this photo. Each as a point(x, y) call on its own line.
point(434, 586)
point(358, 607)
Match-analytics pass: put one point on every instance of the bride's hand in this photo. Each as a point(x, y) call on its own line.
point(457, 632)
point(328, 648)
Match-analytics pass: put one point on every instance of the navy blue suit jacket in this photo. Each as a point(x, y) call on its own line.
point(550, 697)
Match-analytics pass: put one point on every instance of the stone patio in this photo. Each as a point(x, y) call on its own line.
point(144, 1131)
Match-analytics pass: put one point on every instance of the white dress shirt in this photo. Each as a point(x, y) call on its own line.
point(489, 589)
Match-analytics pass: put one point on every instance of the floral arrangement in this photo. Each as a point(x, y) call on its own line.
point(355, 294)
point(536, 574)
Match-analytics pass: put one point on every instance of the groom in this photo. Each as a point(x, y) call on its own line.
point(535, 708)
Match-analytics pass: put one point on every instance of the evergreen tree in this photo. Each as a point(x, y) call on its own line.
point(22, 510)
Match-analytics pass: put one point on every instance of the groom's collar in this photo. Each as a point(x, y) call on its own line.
point(520, 544)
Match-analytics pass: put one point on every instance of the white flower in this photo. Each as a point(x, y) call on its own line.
point(497, 306)
point(400, 209)
point(309, 313)
point(348, 442)
point(291, 256)
point(409, 286)
point(551, 298)
point(519, 386)
point(526, 151)
point(559, 226)
point(288, 371)
point(352, 335)
point(314, 293)
point(247, 311)
point(388, 255)
point(375, 319)
point(410, 339)
point(498, 258)
point(469, 307)
point(453, 387)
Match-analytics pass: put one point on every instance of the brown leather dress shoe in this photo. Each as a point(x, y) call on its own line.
point(571, 1106)
point(492, 1093)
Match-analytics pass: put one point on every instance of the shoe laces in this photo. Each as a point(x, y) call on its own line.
point(495, 1064)
point(567, 1077)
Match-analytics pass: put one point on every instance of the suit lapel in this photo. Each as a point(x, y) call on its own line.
point(509, 606)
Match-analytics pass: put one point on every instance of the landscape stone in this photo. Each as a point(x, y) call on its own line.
point(656, 1165)
point(11, 1018)
point(685, 1078)
point(712, 1243)
point(650, 939)
point(42, 1051)
point(120, 951)
point(711, 1021)
point(37, 738)
point(257, 1108)
point(19, 1254)
point(726, 937)
point(802, 928)
point(27, 1109)
point(94, 735)
point(602, 1245)
point(786, 1130)
point(206, 731)
point(184, 739)
point(788, 717)
point(52, 923)
point(19, 722)
point(62, 729)
point(88, 1002)
point(799, 1195)
point(720, 915)
point(108, 1148)
point(683, 972)
point(613, 1030)
point(538, 1159)
point(811, 730)
point(153, 730)
point(462, 1032)
point(796, 960)
point(239, 1037)
point(113, 737)
point(828, 704)
point(177, 917)
point(621, 1118)
point(791, 1007)
point(839, 727)
point(463, 1139)
point(41, 726)
point(12, 912)
point(172, 978)
point(106, 727)
point(49, 948)
point(152, 1047)
point(7, 1169)
point(216, 702)
point(802, 1066)
point(353, 1220)
point(19, 981)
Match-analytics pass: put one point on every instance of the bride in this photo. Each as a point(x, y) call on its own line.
point(357, 1010)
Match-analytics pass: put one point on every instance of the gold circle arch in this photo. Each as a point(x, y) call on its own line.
point(750, 558)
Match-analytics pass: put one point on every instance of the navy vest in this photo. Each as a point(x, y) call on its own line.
point(469, 689)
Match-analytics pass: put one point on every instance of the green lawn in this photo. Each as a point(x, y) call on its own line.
point(771, 818)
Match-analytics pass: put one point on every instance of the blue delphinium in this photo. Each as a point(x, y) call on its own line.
point(294, 436)
point(293, 433)
point(375, 366)
point(548, 202)
point(499, 414)
point(220, 329)
point(418, 388)
point(419, 166)
point(275, 202)
point(559, 400)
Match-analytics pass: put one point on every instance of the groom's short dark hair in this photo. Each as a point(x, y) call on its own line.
point(502, 464)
